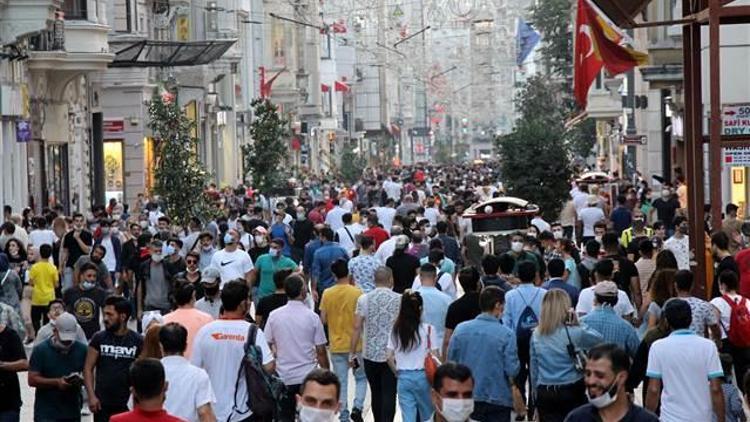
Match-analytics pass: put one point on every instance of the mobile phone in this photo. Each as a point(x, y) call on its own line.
point(355, 363)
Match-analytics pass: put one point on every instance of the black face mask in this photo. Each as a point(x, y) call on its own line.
point(96, 260)
point(211, 291)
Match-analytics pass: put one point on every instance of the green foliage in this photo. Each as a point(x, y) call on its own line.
point(263, 158)
point(352, 165)
point(179, 176)
point(535, 157)
point(552, 18)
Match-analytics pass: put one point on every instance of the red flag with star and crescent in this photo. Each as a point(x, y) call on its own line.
point(598, 44)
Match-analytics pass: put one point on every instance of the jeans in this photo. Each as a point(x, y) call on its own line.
point(414, 395)
point(486, 412)
point(383, 390)
point(554, 402)
point(340, 363)
point(67, 281)
point(10, 416)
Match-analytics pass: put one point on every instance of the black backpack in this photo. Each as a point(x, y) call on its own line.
point(264, 391)
point(584, 275)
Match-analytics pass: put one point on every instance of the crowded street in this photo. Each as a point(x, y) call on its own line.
point(389, 210)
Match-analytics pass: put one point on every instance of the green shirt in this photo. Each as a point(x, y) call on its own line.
point(51, 403)
point(266, 267)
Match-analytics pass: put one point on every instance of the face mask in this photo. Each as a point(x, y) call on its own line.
point(144, 225)
point(274, 252)
point(211, 291)
point(228, 239)
point(105, 232)
point(665, 193)
point(300, 217)
point(598, 239)
point(312, 414)
point(157, 257)
point(683, 229)
point(208, 248)
point(168, 250)
point(605, 399)
point(260, 241)
point(558, 234)
point(88, 285)
point(457, 410)
point(638, 221)
point(516, 246)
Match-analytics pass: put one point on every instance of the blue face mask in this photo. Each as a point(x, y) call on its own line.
point(228, 239)
point(167, 250)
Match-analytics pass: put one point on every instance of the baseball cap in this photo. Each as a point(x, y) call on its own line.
point(606, 288)
point(210, 275)
point(67, 327)
point(402, 241)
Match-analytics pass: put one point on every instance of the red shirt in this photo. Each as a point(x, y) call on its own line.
point(316, 217)
point(377, 234)
point(743, 263)
point(139, 415)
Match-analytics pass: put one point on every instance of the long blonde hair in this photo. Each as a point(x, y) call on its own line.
point(555, 307)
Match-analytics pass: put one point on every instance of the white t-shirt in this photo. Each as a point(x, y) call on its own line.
point(580, 199)
point(681, 250)
point(231, 265)
point(38, 238)
point(189, 388)
point(219, 348)
point(586, 303)
point(432, 215)
point(109, 258)
point(725, 311)
point(385, 217)
point(685, 363)
point(446, 283)
point(333, 218)
point(414, 358)
point(392, 189)
point(590, 216)
point(348, 237)
point(385, 250)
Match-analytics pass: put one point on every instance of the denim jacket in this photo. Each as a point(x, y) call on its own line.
point(489, 349)
point(550, 362)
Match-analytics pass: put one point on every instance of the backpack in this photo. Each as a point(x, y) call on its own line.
point(264, 391)
point(739, 323)
point(527, 321)
point(437, 281)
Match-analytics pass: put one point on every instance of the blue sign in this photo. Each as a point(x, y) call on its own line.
point(23, 131)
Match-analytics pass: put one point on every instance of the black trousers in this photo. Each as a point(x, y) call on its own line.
point(740, 361)
point(108, 411)
point(524, 359)
point(383, 390)
point(38, 314)
point(554, 402)
point(289, 404)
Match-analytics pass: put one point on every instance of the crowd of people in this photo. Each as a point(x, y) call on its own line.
point(282, 308)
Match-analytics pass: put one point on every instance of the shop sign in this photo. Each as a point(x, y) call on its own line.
point(737, 157)
point(735, 119)
point(113, 126)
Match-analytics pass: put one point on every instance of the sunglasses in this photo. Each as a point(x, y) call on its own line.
point(191, 261)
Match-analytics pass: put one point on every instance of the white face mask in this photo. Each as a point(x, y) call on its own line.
point(516, 247)
point(457, 410)
point(313, 414)
point(605, 399)
point(558, 234)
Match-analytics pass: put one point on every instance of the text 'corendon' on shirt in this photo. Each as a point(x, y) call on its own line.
point(222, 336)
point(117, 351)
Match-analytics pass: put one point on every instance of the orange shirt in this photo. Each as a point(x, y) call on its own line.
point(193, 320)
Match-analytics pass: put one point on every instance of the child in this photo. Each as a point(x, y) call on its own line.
point(43, 279)
point(732, 399)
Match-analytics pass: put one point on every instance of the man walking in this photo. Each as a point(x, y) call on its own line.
point(603, 319)
point(489, 349)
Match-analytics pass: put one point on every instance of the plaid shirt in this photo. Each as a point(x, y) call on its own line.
point(10, 318)
point(613, 328)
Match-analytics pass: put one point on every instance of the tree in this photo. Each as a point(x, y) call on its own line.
point(535, 156)
point(179, 176)
point(264, 156)
point(352, 165)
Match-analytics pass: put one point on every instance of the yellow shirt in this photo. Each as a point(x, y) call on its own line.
point(339, 303)
point(44, 277)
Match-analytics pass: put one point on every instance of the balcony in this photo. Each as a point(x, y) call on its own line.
point(605, 101)
point(21, 17)
point(74, 45)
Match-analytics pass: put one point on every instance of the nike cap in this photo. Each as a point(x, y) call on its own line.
point(210, 275)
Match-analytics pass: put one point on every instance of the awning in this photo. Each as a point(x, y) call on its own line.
point(153, 53)
point(622, 12)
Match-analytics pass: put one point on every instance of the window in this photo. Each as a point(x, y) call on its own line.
point(123, 16)
point(75, 9)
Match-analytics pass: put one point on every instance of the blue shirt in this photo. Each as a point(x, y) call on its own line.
point(559, 283)
point(279, 230)
point(613, 328)
point(488, 348)
point(516, 301)
point(326, 255)
point(310, 249)
point(621, 219)
point(435, 308)
point(550, 362)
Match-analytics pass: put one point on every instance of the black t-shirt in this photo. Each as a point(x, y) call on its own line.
point(116, 354)
point(85, 305)
point(268, 304)
point(74, 249)
point(589, 413)
point(303, 232)
point(11, 350)
point(623, 272)
point(463, 309)
point(665, 211)
point(404, 267)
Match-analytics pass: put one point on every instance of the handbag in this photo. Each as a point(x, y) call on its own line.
point(431, 362)
point(576, 355)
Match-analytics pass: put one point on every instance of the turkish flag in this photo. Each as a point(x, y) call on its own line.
point(325, 88)
point(340, 87)
point(587, 62)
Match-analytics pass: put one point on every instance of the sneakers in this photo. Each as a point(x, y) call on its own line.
point(356, 415)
